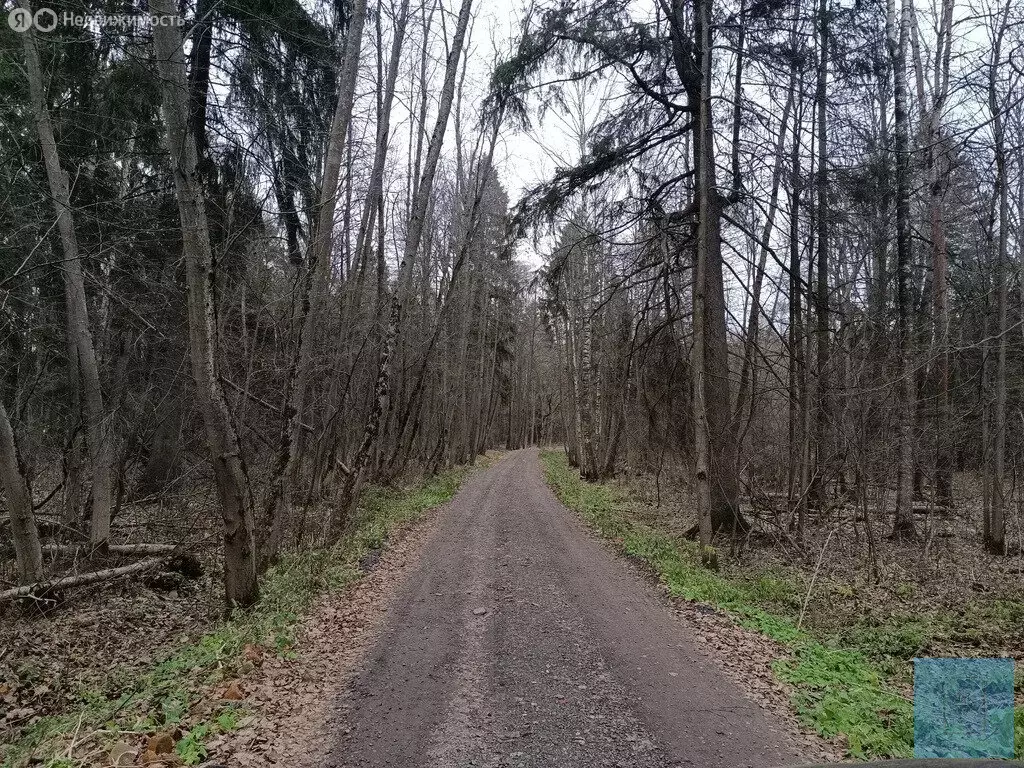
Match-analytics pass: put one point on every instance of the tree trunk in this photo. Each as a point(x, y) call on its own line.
point(995, 541)
point(822, 409)
point(18, 500)
point(718, 461)
point(725, 492)
point(240, 585)
point(797, 369)
point(74, 452)
point(903, 525)
point(588, 462)
point(97, 437)
point(707, 244)
point(80, 580)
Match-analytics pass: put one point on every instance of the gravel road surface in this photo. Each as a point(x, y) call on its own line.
point(518, 639)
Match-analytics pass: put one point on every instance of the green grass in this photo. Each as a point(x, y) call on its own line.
point(163, 696)
point(846, 681)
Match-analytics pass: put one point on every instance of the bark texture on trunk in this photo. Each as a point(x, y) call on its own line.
point(995, 540)
point(712, 412)
point(241, 588)
point(897, 31)
point(18, 500)
point(822, 406)
point(97, 436)
point(708, 483)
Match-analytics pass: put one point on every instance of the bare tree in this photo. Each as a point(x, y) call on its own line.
point(99, 441)
point(413, 240)
point(237, 508)
point(897, 34)
point(313, 293)
point(24, 532)
point(996, 528)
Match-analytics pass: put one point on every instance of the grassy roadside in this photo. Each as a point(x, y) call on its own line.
point(165, 698)
point(847, 683)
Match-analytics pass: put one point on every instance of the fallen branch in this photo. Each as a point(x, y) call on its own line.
point(117, 549)
point(917, 508)
point(80, 580)
point(49, 496)
point(814, 578)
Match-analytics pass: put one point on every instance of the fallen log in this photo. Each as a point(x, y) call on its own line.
point(79, 580)
point(923, 508)
point(918, 508)
point(116, 549)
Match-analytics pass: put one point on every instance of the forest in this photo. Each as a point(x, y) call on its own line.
point(265, 262)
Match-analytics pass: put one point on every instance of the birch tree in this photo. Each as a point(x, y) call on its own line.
point(414, 236)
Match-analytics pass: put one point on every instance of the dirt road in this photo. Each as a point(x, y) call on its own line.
point(519, 640)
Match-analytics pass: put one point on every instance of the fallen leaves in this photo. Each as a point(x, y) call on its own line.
point(161, 743)
point(253, 653)
point(20, 714)
point(166, 760)
point(294, 700)
point(103, 637)
point(159, 750)
point(233, 692)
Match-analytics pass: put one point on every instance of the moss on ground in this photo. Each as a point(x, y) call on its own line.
point(848, 679)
